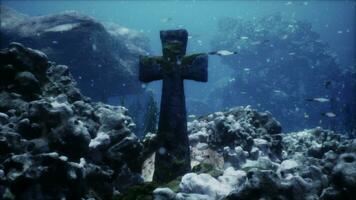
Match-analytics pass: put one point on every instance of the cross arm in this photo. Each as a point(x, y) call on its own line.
point(150, 69)
point(195, 67)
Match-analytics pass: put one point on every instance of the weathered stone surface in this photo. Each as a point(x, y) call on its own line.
point(173, 67)
point(203, 184)
point(344, 174)
point(51, 144)
point(238, 131)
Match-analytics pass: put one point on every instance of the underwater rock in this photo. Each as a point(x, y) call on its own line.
point(313, 143)
point(166, 193)
point(91, 151)
point(87, 46)
point(234, 157)
point(287, 167)
point(50, 131)
point(72, 135)
point(27, 82)
point(203, 184)
point(238, 131)
point(163, 193)
point(344, 174)
point(259, 163)
point(32, 176)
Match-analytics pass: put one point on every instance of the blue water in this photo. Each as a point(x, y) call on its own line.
point(333, 20)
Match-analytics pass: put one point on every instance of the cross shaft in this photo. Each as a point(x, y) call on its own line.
point(173, 157)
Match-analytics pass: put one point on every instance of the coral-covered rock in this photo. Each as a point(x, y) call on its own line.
point(239, 133)
point(55, 143)
point(344, 174)
point(259, 162)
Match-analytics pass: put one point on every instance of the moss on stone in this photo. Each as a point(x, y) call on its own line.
point(138, 192)
point(174, 184)
point(149, 61)
point(208, 169)
point(172, 49)
point(188, 60)
point(144, 191)
point(158, 60)
point(247, 169)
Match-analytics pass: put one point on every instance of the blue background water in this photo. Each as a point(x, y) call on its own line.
point(200, 19)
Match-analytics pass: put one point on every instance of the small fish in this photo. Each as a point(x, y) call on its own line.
point(54, 42)
point(280, 93)
point(340, 32)
point(291, 53)
point(258, 42)
point(223, 53)
point(191, 36)
point(329, 114)
point(288, 3)
point(243, 38)
point(191, 116)
point(200, 43)
point(320, 100)
point(167, 19)
point(93, 47)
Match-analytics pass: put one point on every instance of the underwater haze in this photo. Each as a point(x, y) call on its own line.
point(334, 21)
point(177, 100)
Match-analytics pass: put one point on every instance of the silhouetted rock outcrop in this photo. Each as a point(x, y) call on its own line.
point(102, 57)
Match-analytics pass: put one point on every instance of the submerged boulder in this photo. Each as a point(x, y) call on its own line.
point(98, 54)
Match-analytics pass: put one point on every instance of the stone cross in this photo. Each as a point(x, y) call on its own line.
point(173, 155)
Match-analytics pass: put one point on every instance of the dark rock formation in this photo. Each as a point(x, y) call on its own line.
point(102, 57)
point(55, 143)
